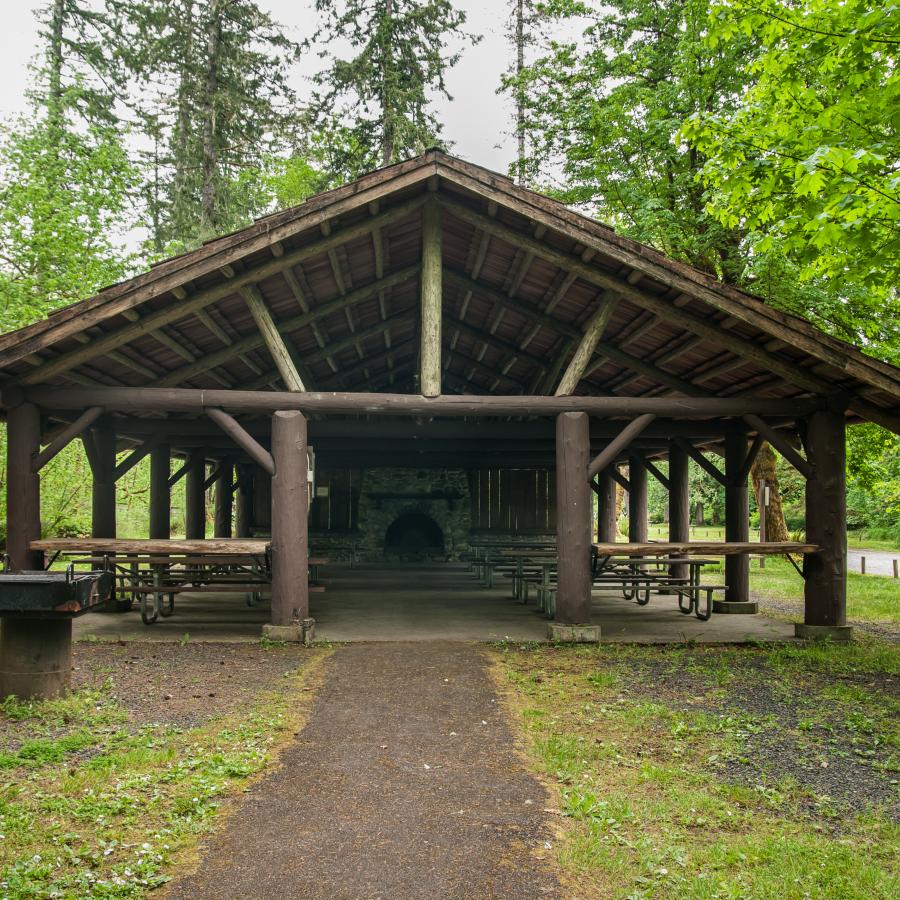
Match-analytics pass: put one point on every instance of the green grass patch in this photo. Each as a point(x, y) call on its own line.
point(664, 762)
point(92, 806)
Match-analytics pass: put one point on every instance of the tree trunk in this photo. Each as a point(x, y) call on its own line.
point(387, 130)
point(54, 69)
point(764, 469)
point(520, 100)
point(181, 180)
point(208, 191)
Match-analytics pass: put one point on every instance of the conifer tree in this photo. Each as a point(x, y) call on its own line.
point(375, 106)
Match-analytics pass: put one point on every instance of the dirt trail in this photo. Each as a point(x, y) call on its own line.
point(403, 784)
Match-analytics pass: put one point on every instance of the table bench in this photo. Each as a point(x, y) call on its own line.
point(150, 570)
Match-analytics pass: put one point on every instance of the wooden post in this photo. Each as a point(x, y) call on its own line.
point(195, 496)
point(243, 519)
point(679, 502)
point(223, 504)
point(606, 508)
point(103, 490)
point(290, 548)
point(637, 500)
point(826, 522)
point(737, 516)
point(160, 495)
point(431, 302)
point(23, 501)
point(573, 519)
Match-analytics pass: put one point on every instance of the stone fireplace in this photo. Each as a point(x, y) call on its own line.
point(405, 515)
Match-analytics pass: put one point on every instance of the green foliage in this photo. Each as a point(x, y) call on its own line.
point(375, 106)
point(807, 160)
point(63, 197)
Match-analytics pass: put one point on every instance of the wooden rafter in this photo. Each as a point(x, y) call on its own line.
point(272, 338)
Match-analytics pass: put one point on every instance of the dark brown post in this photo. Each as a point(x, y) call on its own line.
point(222, 520)
point(103, 489)
point(825, 611)
point(23, 500)
point(290, 549)
point(606, 508)
point(737, 516)
point(679, 502)
point(35, 654)
point(573, 519)
point(160, 494)
point(243, 519)
point(195, 496)
point(637, 501)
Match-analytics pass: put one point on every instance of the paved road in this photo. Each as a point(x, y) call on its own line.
point(878, 562)
point(404, 784)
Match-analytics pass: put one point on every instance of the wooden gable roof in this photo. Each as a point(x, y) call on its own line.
point(523, 275)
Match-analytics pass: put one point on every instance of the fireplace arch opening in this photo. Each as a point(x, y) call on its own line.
point(413, 536)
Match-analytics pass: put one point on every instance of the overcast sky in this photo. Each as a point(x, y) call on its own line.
point(476, 121)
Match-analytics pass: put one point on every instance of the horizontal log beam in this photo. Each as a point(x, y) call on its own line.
point(126, 399)
point(619, 443)
point(62, 440)
point(245, 441)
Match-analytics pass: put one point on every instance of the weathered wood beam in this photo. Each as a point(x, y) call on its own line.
point(135, 457)
point(272, 338)
point(593, 332)
point(619, 443)
point(62, 440)
point(752, 453)
point(253, 341)
point(174, 312)
point(777, 440)
point(431, 302)
point(651, 468)
point(617, 477)
point(702, 461)
point(243, 439)
point(197, 401)
point(177, 475)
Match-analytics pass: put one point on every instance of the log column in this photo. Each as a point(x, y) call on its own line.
point(637, 500)
point(825, 611)
point(679, 502)
point(195, 496)
point(431, 303)
point(573, 519)
point(35, 654)
point(606, 508)
point(23, 498)
point(160, 494)
point(222, 521)
point(103, 487)
point(290, 547)
point(243, 519)
point(737, 516)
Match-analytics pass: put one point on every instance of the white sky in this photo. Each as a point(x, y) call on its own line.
point(476, 121)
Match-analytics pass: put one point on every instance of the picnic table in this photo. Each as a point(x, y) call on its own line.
point(151, 570)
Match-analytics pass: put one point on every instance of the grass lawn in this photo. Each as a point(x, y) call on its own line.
point(103, 792)
point(708, 772)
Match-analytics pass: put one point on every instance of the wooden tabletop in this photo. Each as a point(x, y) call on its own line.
point(710, 548)
point(214, 546)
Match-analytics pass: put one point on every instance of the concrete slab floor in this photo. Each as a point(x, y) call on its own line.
point(423, 602)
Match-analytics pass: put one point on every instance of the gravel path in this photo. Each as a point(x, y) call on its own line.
point(404, 783)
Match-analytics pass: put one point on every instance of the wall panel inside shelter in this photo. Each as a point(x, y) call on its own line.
point(513, 500)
